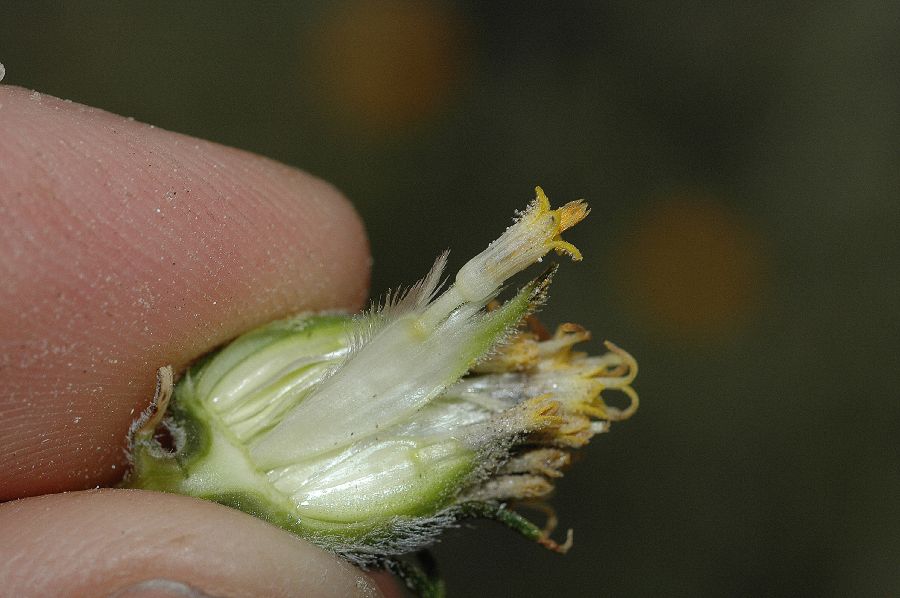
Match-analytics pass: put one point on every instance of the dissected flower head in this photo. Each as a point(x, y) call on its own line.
point(370, 434)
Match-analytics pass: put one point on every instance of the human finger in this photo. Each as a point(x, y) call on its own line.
point(130, 543)
point(123, 248)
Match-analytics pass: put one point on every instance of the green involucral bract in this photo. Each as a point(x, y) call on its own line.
point(370, 434)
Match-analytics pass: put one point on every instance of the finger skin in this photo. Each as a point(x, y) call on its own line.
point(98, 543)
point(123, 248)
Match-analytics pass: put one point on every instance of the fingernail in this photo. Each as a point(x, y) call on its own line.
point(159, 588)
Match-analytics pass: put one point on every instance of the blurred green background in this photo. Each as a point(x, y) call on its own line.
point(743, 165)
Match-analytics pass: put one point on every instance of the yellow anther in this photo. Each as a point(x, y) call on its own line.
point(572, 213)
point(541, 412)
point(518, 355)
point(575, 431)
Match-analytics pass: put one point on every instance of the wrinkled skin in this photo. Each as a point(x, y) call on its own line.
point(123, 248)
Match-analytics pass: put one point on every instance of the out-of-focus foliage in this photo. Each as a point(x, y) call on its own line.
point(742, 163)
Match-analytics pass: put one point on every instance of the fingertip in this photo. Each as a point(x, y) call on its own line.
point(136, 543)
point(125, 248)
